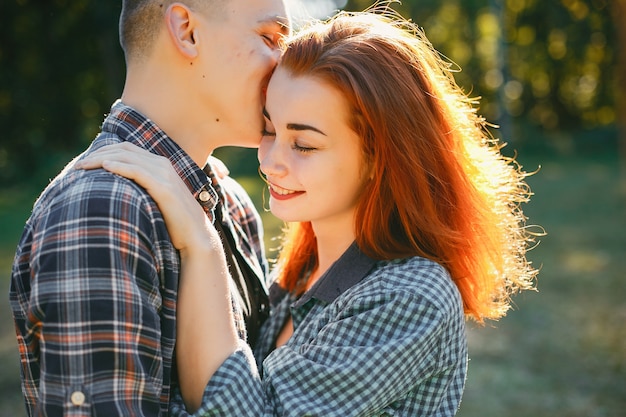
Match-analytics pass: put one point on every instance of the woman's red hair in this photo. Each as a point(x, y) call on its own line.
point(441, 189)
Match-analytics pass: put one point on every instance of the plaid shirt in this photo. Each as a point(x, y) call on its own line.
point(371, 338)
point(94, 282)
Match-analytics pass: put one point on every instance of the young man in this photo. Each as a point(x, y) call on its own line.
point(95, 278)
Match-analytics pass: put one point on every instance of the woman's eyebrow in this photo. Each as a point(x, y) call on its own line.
point(300, 127)
point(295, 126)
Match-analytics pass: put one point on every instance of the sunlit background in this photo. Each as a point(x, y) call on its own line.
point(551, 74)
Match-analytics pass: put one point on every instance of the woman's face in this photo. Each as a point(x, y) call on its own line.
point(311, 157)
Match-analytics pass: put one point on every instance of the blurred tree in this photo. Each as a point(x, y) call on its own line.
point(548, 63)
point(553, 65)
point(619, 14)
point(60, 69)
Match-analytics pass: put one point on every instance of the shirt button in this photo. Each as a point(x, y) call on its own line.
point(77, 398)
point(204, 196)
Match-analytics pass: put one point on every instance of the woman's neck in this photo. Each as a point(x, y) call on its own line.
point(330, 246)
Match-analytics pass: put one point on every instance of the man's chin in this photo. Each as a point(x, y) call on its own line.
point(251, 141)
point(246, 143)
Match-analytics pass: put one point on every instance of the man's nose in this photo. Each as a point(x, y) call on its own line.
point(276, 54)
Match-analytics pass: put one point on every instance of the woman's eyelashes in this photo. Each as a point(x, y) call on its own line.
point(267, 133)
point(300, 148)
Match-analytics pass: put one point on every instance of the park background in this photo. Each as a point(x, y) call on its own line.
point(550, 73)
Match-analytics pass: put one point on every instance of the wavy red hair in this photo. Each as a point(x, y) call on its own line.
point(441, 189)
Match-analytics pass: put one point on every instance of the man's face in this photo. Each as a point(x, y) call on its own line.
point(238, 61)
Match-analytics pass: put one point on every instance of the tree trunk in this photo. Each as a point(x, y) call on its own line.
point(619, 15)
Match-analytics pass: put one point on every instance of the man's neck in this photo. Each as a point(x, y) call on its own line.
point(169, 114)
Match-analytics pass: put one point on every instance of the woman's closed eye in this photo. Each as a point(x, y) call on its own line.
point(301, 148)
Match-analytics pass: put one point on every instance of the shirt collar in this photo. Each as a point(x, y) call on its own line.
point(214, 179)
point(131, 126)
point(348, 270)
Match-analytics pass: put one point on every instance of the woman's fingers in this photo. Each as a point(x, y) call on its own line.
point(184, 217)
point(122, 152)
point(130, 161)
point(128, 170)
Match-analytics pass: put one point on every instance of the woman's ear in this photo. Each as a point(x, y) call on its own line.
point(182, 27)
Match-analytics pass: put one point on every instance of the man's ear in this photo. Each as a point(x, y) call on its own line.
point(181, 26)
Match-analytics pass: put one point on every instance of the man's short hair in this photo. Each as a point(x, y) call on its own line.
point(141, 21)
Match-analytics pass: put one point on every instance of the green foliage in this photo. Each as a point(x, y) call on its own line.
point(60, 69)
point(560, 352)
point(551, 65)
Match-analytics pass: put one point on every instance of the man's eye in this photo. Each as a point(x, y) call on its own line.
point(266, 132)
point(269, 39)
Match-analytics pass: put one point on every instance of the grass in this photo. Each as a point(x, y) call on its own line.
point(15, 205)
point(560, 352)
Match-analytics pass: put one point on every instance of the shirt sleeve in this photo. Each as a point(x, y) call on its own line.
point(95, 298)
point(235, 389)
point(369, 356)
point(243, 212)
point(374, 349)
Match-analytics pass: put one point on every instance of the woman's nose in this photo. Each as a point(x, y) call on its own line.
point(271, 161)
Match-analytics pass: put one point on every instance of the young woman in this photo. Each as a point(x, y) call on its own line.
point(403, 219)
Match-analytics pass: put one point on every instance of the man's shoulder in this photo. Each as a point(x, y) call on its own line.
point(78, 183)
point(85, 193)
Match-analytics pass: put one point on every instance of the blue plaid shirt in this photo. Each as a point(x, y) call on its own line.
point(371, 338)
point(95, 279)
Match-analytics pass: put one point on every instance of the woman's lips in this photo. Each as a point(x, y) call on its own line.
point(280, 193)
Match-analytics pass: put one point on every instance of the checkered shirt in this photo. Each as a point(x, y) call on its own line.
point(371, 339)
point(94, 283)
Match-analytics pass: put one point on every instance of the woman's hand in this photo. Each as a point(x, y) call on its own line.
point(188, 225)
